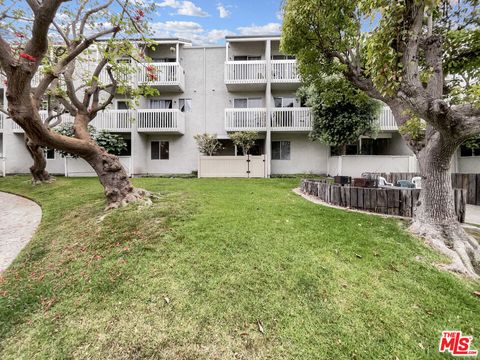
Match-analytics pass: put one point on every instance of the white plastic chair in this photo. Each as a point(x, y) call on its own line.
point(383, 182)
point(417, 180)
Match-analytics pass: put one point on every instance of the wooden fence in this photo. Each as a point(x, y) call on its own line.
point(400, 202)
point(468, 182)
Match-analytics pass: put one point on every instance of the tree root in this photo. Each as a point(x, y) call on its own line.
point(36, 182)
point(452, 241)
point(133, 196)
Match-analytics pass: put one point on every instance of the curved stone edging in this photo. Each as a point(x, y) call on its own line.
point(20, 218)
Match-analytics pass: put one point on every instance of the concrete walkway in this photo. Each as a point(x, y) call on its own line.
point(19, 219)
point(472, 215)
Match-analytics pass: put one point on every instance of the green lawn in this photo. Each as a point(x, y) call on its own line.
point(192, 276)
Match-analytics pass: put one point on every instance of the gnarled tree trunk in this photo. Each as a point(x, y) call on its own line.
point(119, 191)
point(435, 218)
point(38, 170)
point(118, 188)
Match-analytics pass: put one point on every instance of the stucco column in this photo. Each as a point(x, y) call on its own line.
point(268, 103)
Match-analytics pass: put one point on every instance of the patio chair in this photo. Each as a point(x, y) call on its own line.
point(383, 182)
point(417, 181)
point(406, 184)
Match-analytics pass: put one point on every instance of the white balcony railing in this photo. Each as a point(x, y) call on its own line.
point(2, 121)
point(246, 119)
point(285, 71)
point(159, 120)
point(161, 74)
point(291, 119)
point(386, 120)
point(245, 72)
point(114, 120)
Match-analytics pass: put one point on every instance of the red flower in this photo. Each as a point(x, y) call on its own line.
point(140, 12)
point(150, 68)
point(152, 77)
point(28, 57)
point(137, 18)
point(19, 35)
point(5, 82)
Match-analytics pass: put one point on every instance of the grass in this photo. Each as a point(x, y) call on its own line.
point(194, 275)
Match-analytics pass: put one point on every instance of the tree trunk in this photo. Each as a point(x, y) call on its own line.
point(435, 217)
point(38, 170)
point(118, 189)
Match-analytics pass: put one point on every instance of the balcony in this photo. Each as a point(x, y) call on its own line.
point(386, 121)
point(291, 119)
point(169, 77)
point(246, 119)
point(169, 121)
point(285, 75)
point(246, 75)
point(114, 120)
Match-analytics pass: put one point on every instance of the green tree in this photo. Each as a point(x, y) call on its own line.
point(245, 140)
point(207, 143)
point(421, 58)
point(341, 113)
point(114, 144)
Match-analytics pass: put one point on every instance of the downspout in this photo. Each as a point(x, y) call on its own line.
point(205, 87)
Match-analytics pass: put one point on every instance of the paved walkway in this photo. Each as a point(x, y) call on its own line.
point(473, 215)
point(19, 219)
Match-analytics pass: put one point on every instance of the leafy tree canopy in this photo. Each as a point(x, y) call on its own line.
point(341, 113)
point(244, 140)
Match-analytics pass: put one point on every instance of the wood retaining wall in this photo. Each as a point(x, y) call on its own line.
point(399, 202)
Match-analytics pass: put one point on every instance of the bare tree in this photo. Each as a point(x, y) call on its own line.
point(107, 25)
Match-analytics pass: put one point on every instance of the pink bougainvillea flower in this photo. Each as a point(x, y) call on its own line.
point(140, 12)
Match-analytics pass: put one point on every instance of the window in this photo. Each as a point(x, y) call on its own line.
point(283, 57)
point(284, 102)
point(160, 150)
point(161, 104)
point(247, 103)
point(50, 154)
point(466, 151)
point(247, 58)
point(280, 150)
point(164, 60)
point(122, 105)
point(185, 105)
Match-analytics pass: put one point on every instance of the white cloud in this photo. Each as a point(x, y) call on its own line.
point(189, 30)
point(223, 11)
point(268, 29)
point(186, 8)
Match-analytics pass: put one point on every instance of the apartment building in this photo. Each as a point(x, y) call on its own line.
point(247, 84)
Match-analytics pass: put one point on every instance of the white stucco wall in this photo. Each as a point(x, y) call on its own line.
point(469, 165)
point(306, 156)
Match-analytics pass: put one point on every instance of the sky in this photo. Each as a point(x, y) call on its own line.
point(207, 22)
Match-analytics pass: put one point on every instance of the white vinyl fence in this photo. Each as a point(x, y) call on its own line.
point(76, 167)
point(231, 166)
point(355, 165)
